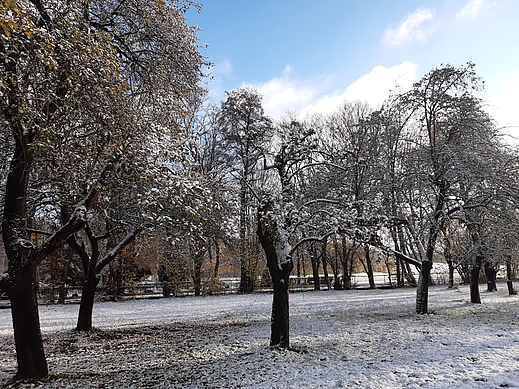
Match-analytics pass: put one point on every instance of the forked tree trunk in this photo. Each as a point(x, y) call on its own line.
point(84, 321)
point(279, 272)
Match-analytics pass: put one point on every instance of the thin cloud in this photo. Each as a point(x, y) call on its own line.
point(219, 73)
point(413, 28)
point(471, 10)
point(223, 68)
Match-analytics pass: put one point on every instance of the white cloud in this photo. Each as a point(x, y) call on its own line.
point(287, 93)
point(412, 28)
point(471, 10)
point(502, 103)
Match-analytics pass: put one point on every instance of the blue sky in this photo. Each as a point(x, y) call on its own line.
point(310, 56)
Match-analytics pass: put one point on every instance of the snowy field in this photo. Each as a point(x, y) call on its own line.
point(340, 339)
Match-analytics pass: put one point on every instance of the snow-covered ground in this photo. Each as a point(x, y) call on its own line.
point(340, 339)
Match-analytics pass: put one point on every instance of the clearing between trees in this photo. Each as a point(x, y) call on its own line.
point(340, 339)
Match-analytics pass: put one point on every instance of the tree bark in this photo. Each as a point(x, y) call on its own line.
point(509, 276)
point(474, 284)
point(217, 260)
point(369, 267)
point(491, 273)
point(22, 283)
point(315, 267)
point(325, 265)
point(451, 273)
point(84, 321)
point(347, 264)
point(476, 268)
point(197, 274)
point(279, 272)
point(29, 345)
point(422, 289)
point(399, 278)
point(246, 281)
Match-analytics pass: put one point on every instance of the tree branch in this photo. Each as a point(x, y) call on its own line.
point(76, 222)
point(130, 237)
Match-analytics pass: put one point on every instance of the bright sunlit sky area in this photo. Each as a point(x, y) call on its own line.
point(310, 56)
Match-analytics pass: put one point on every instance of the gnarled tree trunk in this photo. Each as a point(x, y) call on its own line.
point(279, 272)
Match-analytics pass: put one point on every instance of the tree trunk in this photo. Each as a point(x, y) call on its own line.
point(279, 272)
point(474, 284)
point(27, 335)
point(246, 282)
point(369, 267)
point(389, 270)
point(491, 273)
point(26, 322)
point(298, 270)
point(476, 268)
point(325, 266)
point(166, 289)
point(217, 260)
point(422, 292)
point(197, 274)
point(399, 278)
point(315, 268)
point(509, 276)
point(86, 307)
point(346, 264)
point(451, 273)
